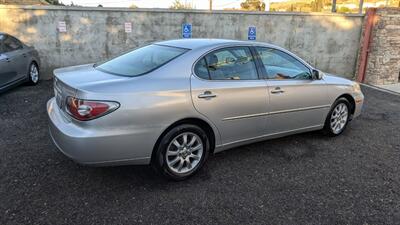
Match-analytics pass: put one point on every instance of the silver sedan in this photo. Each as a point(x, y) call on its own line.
point(19, 63)
point(172, 103)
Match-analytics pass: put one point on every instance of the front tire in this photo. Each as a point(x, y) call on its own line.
point(181, 152)
point(338, 117)
point(33, 74)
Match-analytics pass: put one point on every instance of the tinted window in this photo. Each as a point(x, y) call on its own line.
point(141, 60)
point(11, 44)
point(234, 63)
point(1, 43)
point(201, 69)
point(280, 65)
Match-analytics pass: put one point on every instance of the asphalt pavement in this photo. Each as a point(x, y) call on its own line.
point(301, 179)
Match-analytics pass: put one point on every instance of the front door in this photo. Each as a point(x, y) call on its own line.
point(297, 100)
point(227, 90)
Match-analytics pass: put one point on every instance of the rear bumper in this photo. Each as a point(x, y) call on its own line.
point(92, 147)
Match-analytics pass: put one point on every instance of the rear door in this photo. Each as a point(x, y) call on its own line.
point(297, 100)
point(226, 89)
point(8, 71)
point(17, 56)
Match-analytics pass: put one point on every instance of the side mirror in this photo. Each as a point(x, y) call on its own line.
point(317, 75)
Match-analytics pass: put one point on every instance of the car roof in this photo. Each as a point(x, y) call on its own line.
point(197, 43)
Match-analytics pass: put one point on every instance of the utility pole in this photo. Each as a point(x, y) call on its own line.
point(210, 5)
point(360, 9)
point(333, 5)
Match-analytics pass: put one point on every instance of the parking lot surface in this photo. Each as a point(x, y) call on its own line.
point(301, 179)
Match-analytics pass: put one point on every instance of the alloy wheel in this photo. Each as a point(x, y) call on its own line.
point(34, 73)
point(339, 118)
point(184, 152)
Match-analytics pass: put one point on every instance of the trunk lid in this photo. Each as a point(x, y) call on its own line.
point(84, 75)
point(69, 80)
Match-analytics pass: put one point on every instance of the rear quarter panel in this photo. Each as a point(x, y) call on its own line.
point(149, 104)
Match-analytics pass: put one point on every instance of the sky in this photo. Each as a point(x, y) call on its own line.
point(198, 4)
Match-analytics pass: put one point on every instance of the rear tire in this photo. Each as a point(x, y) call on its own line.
point(181, 152)
point(33, 74)
point(338, 117)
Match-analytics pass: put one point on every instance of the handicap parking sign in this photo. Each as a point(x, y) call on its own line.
point(252, 34)
point(187, 30)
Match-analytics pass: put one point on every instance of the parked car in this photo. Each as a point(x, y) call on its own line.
point(172, 103)
point(19, 63)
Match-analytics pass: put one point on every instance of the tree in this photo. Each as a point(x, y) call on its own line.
point(253, 5)
point(344, 9)
point(75, 5)
point(133, 6)
point(179, 5)
point(54, 2)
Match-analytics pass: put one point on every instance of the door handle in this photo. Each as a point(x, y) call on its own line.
point(24, 55)
point(207, 94)
point(277, 90)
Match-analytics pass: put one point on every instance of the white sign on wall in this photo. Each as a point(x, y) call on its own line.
point(62, 27)
point(128, 27)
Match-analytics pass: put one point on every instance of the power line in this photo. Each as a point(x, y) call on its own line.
point(230, 3)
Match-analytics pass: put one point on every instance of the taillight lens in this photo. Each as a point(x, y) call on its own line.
point(84, 110)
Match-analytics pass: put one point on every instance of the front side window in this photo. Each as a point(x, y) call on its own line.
point(282, 66)
point(141, 60)
point(233, 63)
point(11, 44)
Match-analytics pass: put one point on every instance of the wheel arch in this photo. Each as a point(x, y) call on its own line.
point(194, 121)
point(351, 100)
point(35, 62)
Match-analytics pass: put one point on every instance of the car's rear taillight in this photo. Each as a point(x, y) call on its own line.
point(84, 110)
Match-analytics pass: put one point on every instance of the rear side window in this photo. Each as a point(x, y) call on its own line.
point(234, 63)
point(141, 60)
point(201, 69)
point(11, 44)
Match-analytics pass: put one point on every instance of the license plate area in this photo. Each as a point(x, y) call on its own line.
point(61, 92)
point(58, 94)
point(58, 99)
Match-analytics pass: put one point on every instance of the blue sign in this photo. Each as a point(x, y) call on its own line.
point(186, 30)
point(252, 34)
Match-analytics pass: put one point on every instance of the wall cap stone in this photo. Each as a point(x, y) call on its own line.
point(111, 9)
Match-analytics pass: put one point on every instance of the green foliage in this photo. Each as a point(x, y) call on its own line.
point(133, 6)
point(253, 5)
point(54, 2)
point(343, 9)
point(177, 4)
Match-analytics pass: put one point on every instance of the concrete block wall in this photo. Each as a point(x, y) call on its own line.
point(328, 41)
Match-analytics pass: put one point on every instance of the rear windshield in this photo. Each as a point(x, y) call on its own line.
point(141, 60)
